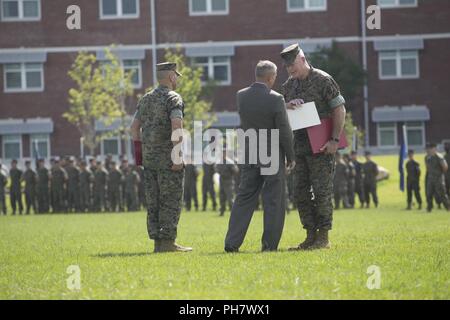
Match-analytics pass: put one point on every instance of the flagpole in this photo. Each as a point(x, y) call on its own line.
point(405, 137)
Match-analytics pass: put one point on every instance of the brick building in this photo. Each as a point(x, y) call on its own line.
point(407, 60)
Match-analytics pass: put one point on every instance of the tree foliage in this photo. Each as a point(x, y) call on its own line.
point(99, 94)
point(348, 74)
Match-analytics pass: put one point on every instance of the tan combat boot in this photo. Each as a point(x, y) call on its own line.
point(310, 238)
point(157, 245)
point(171, 246)
point(321, 241)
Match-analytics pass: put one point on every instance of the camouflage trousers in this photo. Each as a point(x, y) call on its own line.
point(15, 197)
point(208, 190)
point(341, 195)
point(85, 198)
point(2, 202)
point(43, 202)
point(226, 195)
point(313, 190)
point(30, 201)
point(435, 188)
point(164, 193)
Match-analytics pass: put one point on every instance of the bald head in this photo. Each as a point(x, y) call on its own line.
point(266, 72)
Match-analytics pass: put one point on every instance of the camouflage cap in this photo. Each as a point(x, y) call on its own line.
point(290, 53)
point(168, 66)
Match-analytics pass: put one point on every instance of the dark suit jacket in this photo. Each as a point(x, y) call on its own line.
point(262, 108)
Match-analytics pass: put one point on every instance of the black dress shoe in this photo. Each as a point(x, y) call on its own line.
point(231, 250)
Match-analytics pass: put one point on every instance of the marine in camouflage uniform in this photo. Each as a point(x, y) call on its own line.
point(86, 179)
point(99, 190)
point(43, 192)
point(190, 187)
point(58, 182)
point(132, 181)
point(370, 169)
point(340, 183)
point(3, 181)
point(30, 178)
point(226, 184)
point(359, 178)
point(351, 181)
point(73, 186)
point(435, 183)
point(447, 174)
point(413, 181)
point(15, 190)
point(208, 186)
point(115, 187)
point(313, 173)
point(159, 112)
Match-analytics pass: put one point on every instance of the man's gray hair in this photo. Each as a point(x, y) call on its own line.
point(265, 68)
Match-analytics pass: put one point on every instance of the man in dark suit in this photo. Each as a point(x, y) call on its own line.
point(261, 108)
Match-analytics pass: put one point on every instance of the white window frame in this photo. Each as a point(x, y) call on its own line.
point(20, 8)
point(139, 66)
point(387, 129)
point(421, 127)
point(209, 11)
point(119, 9)
point(139, 71)
point(17, 140)
point(23, 79)
point(397, 5)
point(119, 145)
point(210, 64)
point(307, 7)
point(33, 138)
point(398, 63)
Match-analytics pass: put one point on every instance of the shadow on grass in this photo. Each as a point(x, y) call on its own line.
point(223, 253)
point(121, 254)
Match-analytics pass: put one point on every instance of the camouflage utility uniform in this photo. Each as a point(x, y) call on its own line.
point(313, 173)
point(164, 187)
point(435, 182)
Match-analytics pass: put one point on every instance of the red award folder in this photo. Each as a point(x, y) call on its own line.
point(320, 134)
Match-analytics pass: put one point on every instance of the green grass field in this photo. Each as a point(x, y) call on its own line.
point(114, 255)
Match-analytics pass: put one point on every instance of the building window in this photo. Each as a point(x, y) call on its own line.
point(400, 64)
point(387, 134)
point(217, 69)
point(306, 5)
point(397, 3)
point(415, 132)
point(23, 77)
point(111, 146)
point(135, 67)
point(40, 145)
point(14, 10)
point(12, 146)
point(208, 7)
point(119, 9)
point(129, 66)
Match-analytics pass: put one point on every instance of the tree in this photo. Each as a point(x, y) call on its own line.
point(99, 95)
point(191, 89)
point(348, 74)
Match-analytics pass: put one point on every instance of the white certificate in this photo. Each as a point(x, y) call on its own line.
point(303, 116)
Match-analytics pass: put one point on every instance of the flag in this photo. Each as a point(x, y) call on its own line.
point(402, 156)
